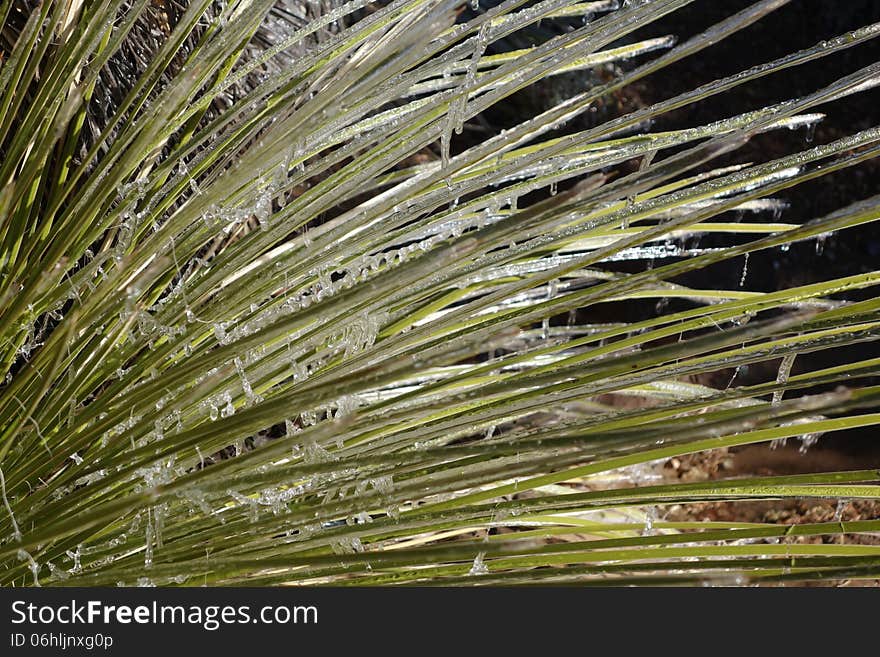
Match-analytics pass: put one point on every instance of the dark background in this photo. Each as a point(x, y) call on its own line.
point(800, 24)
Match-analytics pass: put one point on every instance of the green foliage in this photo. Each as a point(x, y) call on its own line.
point(249, 338)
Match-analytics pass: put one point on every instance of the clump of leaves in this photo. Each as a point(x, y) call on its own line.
point(251, 333)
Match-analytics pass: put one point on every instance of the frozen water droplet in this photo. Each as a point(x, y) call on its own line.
point(220, 333)
point(229, 409)
point(479, 567)
point(445, 139)
point(810, 133)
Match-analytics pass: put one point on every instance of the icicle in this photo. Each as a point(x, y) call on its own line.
point(810, 133)
point(76, 569)
point(24, 555)
point(650, 517)
point(808, 440)
point(782, 377)
point(479, 567)
point(480, 44)
point(16, 532)
point(445, 139)
point(148, 533)
point(249, 394)
point(158, 523)
point(458, 106)
point(57, 573)
point(631, 200)
point(263, 210)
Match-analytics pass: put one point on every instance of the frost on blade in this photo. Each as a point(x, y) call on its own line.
point(246, 502)
point(745, 270)
point(347, 546)
point(383, 485)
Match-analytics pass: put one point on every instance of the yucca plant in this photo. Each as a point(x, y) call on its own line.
point(279, 306)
